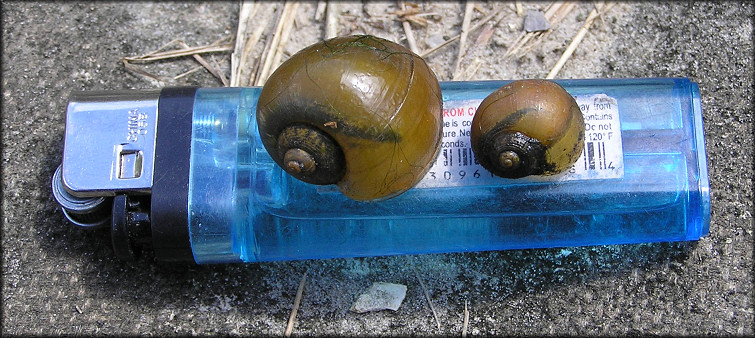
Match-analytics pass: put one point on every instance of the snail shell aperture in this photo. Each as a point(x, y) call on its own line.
point(360, 112)
point(528, 127)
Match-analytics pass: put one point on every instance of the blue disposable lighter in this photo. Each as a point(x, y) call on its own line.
point(183, 171)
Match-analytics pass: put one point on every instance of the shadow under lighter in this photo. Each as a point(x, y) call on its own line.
point(183, 170)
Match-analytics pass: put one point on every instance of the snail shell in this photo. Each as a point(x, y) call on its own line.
point(528, 127)
point(360, 112)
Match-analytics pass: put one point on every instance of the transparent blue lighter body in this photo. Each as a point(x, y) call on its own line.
point(244, 208)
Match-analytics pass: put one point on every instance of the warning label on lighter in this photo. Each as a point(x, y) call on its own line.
point(602, 157)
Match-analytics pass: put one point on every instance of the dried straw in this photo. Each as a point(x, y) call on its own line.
point(408, 31)
point(469, 8)
point(320, 10)
point(295, 309)
point(519, 8)
point(220, 45)
point(215, 47)
point(285, 20)
point(427, 295)
point(458, 36)
point(285, 32)
point(595, 13)
point(331, 20)
point(214, 71)
point(465, 323)
point(238, 57)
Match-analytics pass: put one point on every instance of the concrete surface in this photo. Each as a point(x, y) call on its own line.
point(58, 279)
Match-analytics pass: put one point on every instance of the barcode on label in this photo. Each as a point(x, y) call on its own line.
point(453, 157)
point(595, 156)
point(602, 156)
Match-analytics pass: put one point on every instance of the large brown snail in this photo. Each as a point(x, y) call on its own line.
point(360, 112)
point(528, 127)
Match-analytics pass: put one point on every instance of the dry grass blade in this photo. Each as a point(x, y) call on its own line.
point(485, 35)
point(248, 47)
point(410, 37)
point(595, 13)
point(519, 8)
point(465, 324)
point(331, 20)
point(255, 76)
point(438, 47)
point(558, 10)
point(295, 309)
point(481, 42)
point(412, 14)
point(141, 72)
point(456, 37)
point(408, 31)
point(320, 11)
point(185, 51)
point(163, 47)
point(463, 37)
point(214, 71)
point(247, 10)
point(283, 21)
point(427, 295)
point(518, 43)
point(218, 46)
point(217, 65)
point(470, 71)
point(193, 70)
point(479, 8)
point(285, 32)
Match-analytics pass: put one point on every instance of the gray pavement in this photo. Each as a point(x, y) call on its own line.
point(58, 279)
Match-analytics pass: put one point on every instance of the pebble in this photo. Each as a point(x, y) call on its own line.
point(535, 21)
point(380, 296)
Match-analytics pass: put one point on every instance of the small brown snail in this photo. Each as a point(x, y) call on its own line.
point(528, 127)
point(360, 112)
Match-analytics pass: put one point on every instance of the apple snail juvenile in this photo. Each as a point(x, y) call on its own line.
point(360, 112)
point(528, 127)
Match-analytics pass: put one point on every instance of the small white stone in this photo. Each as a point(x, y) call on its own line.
point(380, 296)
